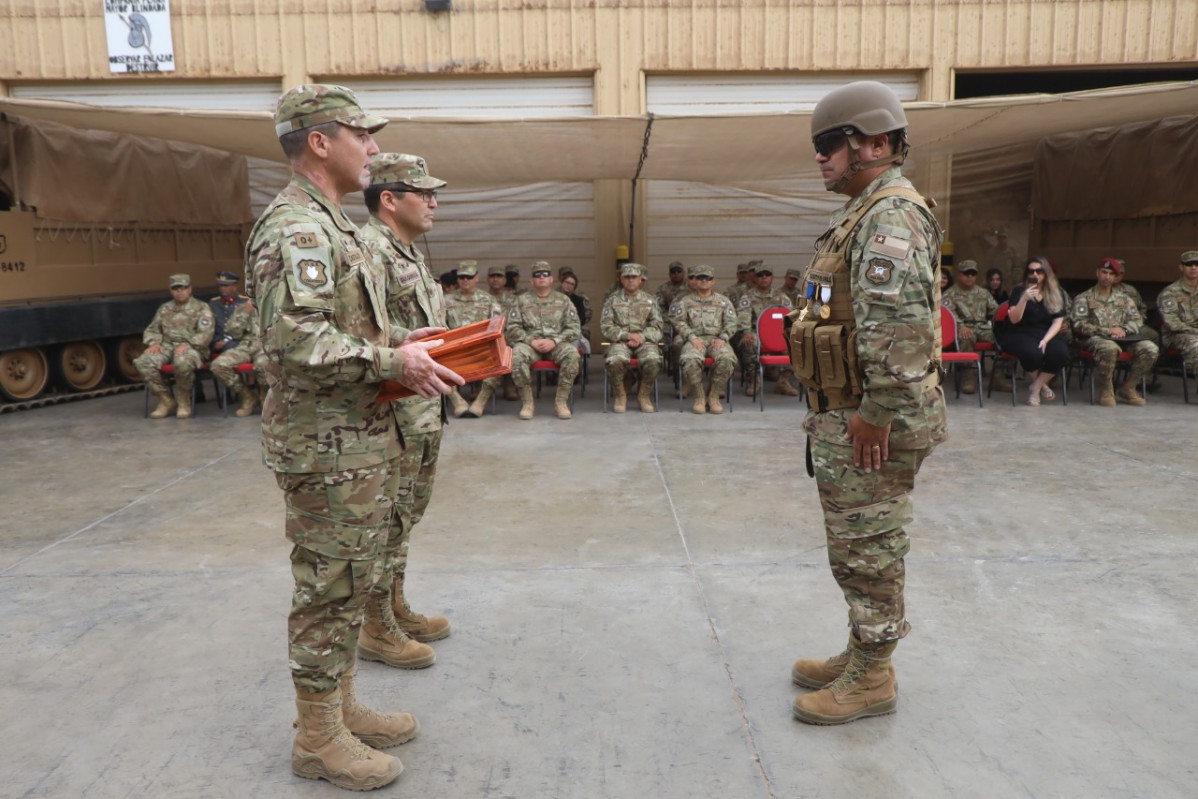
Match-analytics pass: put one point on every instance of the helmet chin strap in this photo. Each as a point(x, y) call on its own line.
point(856, 165)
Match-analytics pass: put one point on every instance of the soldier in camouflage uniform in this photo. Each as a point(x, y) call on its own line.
point(402, 201)
point(974, 308)
point(744, 282)
point(873, 286)
point(705, 323)
point(632, 322)
point(334, 450)
point(498, 289)
point(1100, 316)
point(543, 325)
point(667, 292)
point(752, 302)
point(464, 307)
point(1178, 305)
point(179, 334)
point(790, 285)
point(236, 341)
point(1002, 256)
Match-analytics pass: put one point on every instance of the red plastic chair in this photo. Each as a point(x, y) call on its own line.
point(948, 338)
point(772, 349)
point(707, 364)
point(633, 363)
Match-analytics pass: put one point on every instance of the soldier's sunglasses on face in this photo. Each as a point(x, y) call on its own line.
point(542, 273)
point(428, 195)
point(704, 277)
point(828, 143)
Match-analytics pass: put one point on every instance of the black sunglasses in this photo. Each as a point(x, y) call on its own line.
point(828, 143)
point(1036, 271)
point(542, 273)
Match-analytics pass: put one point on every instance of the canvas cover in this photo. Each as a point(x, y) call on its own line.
point(72, 174)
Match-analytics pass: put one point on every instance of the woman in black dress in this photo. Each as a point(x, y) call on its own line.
point(1034, 317)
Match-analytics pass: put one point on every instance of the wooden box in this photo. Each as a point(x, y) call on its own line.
point(476, 352)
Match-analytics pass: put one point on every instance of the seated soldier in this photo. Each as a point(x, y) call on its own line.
point(463, 307)
point(669, 290)
point(752, 302)
point(179, 335)
point(974, 308)
point(790, 285)
point(1178, 304)
point(1101, 318)
point(543, 325)
point(704, 322)
point(632, 322)
point(236, 341)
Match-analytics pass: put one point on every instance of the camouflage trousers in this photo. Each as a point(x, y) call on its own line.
point(968, 334)
point(745, 346)
point(224, 366)
point(186, 364)
point(691, 358)
point(1106, 353)
point(620, 355)
point(413, 490)
point(1187, 345)
point(338, 522)
point(564, 355)
point(864, 517)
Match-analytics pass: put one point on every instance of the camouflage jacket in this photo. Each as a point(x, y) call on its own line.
point(974, 309)
point(1178, 304)
point(172, 325)
point(553, 318)
point(666, 294)
point(894, 257)
point(734, 292)
point(1094, 315)
point(236, 323)
point(321, 301)
point(1133, 292)
point(753, 302)
point(696, 317)
point(623, 315)
point(462, 310)
point(414, 300)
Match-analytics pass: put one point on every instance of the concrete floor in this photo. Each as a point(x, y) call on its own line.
point(628, 594)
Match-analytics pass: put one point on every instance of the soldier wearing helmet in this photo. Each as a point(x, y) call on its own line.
point(865, 341)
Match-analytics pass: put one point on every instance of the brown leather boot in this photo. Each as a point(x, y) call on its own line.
point(479, 406)
point(166, 404)
point(325, 750)
point(866, 687)
point(644, 395)
point(382, 640)
point(184, 409)
point(421, 628)
point(379, 730)
point(459, 404)
point(527, 403)
point(561, 402)
point(1128, 393)
point(248, 400)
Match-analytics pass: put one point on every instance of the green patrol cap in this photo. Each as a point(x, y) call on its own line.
point(512, 269)
point(741, 269)
point(1189, 257)
point(410, 170)
point(762, 268)
point(795, 273)
point(968, 266)
point(632, 270)
point(701, 270)
point(468, 269)
point(180, 281)
point(496, 270)
point(314, 104)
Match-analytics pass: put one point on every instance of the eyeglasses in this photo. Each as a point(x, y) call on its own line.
point(428, 195)
point(542, 273)
point(828, 143)
point(1036, 271)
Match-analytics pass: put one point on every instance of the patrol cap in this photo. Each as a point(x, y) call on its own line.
point(408, 170)
point(701, 270)
point(497, 270)
point(795, 273)
point(867, 105)
point(226, 278)
point(763, 269)
point(1113, 264)
point(180, 281)
point(314, 104)
point(537, 266)
point(562, 271)
point(968, 267)
point(1189, 257)
point(676, 266)
point(512, 269)
point(632, 270)
point(740, 269)
point(469, 269)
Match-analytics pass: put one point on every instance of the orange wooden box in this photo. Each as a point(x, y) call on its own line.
point(476, 352)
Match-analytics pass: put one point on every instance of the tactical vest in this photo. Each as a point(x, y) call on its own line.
point(823, 332)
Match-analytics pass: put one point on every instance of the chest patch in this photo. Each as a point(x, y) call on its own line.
point(879, 271)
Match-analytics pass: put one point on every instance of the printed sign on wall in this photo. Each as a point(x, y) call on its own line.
point(139, 36)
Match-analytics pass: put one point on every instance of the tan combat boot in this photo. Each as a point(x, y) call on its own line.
point(866, 687)
point(421, 628)
point(817, 673)
point(382, 640)
point(1128, 393)
point(713, 400)
point(644, 395)
point(184, 409)
point(696, 391)
point(527, 404)
point(561, 403)
point(325, 750)
point(619, 396)
point(379, 730)
point(479, 406)
point(1106, 395)
point(969, 383)
point(166, 404)
point(460, 406)
point(753, 386)
point(248, 401)
point(1002, 382)
point(509, 389)
point(784, 387)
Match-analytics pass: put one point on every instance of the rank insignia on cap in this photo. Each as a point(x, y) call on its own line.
point(879, 271)
point(312, 273)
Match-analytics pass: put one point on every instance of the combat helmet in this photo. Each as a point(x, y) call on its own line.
point(861, 108)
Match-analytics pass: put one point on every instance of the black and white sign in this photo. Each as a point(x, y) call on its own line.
point(139, 36)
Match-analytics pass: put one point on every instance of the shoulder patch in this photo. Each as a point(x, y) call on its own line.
point(205, 321)
point(1080, 308)
point(1168, 304)
point(311, 272)
point(304, 240)
point(895, 244)
point(880, 271)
